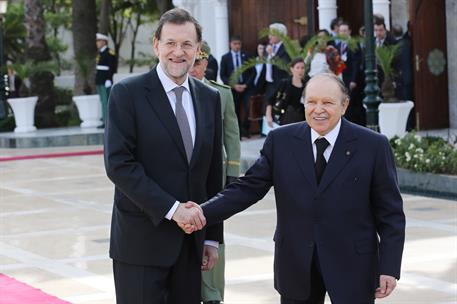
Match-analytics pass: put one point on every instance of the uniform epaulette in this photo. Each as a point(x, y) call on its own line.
point(219, 84)
point(112, 52)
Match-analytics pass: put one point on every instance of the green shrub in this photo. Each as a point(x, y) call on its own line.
point(425, 154)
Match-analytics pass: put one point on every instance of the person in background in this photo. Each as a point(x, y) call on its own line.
point(290, 91)
point(256, 87)
point(212, 69)
point(230, 62)
point(106, 67)
point(275, 52)
point(351, 76)
point(404, 80)
point(316, 57)
point(213, 281)
point(14, 82)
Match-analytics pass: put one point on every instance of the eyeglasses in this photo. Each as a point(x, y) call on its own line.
point(172, 45)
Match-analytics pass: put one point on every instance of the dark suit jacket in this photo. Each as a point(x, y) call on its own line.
point(146, 160)
point(226, 68)
point(212, 69)
point(357, 200)
point(279, 74)
point(353, 62)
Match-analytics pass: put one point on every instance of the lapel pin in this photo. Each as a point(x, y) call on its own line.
point(348, 152)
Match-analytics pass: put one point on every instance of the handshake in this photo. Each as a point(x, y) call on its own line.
point(189, 217)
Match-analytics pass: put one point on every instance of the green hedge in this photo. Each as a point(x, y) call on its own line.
point(425, 154)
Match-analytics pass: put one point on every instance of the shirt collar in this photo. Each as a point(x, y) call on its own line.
point(330, 136)
point(169, 84)
point(103, 48)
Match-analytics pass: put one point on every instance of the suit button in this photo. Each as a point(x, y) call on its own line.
point(311, 244)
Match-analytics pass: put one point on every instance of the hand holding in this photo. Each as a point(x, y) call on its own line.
point(189, 213)
point(386, 286)
point(210, 257)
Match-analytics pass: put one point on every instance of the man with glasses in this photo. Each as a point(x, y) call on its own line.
point(163, 149)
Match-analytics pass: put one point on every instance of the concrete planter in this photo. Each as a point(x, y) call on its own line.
point(427, 182)
point(393, 118)
point(89, 109)
point(24, 113)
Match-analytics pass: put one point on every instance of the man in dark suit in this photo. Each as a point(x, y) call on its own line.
point(383, 38)
point(230, 62)
point(351, 75)
point(340, 221)
point(162, 149)
point(275, 52)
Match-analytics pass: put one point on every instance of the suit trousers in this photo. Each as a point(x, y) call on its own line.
point(180, 283)
point(317, 288)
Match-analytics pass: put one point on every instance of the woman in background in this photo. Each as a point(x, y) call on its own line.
point(289, 96)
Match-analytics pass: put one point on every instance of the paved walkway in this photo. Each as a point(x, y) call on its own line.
point(54, 229)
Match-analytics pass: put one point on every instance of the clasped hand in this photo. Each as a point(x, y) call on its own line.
point(189, 217)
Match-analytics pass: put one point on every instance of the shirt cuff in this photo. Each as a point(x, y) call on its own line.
point(212, 243)
point(172, 211)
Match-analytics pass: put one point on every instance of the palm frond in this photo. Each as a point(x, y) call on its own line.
point(243, 68)
point(385, 56)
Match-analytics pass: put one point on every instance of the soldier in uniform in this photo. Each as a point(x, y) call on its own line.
point(106, 67)
point(213, 280)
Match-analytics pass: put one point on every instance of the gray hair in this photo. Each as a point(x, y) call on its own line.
point(281, 28)
point(344, 90)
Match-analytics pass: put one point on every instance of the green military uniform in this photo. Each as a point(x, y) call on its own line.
point(106, 67)
point(213, 282)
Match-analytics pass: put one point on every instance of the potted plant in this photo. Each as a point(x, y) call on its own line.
point(24, 106)
point(89, 107)
point(393, 113)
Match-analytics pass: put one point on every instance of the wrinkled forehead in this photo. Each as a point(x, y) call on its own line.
point(321, 87)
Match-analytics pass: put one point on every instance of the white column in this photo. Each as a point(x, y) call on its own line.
point(222, 29)
point(327, 12)
point(188, 5)
point(382, 7)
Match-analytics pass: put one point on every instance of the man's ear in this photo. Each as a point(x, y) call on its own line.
point(155, 46)
point(345, 105)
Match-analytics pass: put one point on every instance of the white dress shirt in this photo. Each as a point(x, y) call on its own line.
point(168, 86)
point(330, 137)
point(269, 71)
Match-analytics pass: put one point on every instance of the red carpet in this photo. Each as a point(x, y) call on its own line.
point(15, 292)
point(51, 155)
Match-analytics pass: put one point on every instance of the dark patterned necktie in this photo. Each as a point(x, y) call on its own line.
point(321, 163)
point(183, 123)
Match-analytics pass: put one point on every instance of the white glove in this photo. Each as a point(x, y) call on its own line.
point(108, 83)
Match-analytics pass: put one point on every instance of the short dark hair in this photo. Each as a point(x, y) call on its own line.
point(296, 60)
point(345, 23)
point(235, 38)
point(378, 19)
point(397, 30)
point(335, 22)
point(323, 31)
point(344, 90)
point(178, 16)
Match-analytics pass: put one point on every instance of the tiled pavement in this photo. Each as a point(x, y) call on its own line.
point(54, 230)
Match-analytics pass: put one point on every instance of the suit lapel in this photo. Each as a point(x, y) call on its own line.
point(303, 153)
point(199, 121)
point(158, 99)
point(343, 151)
